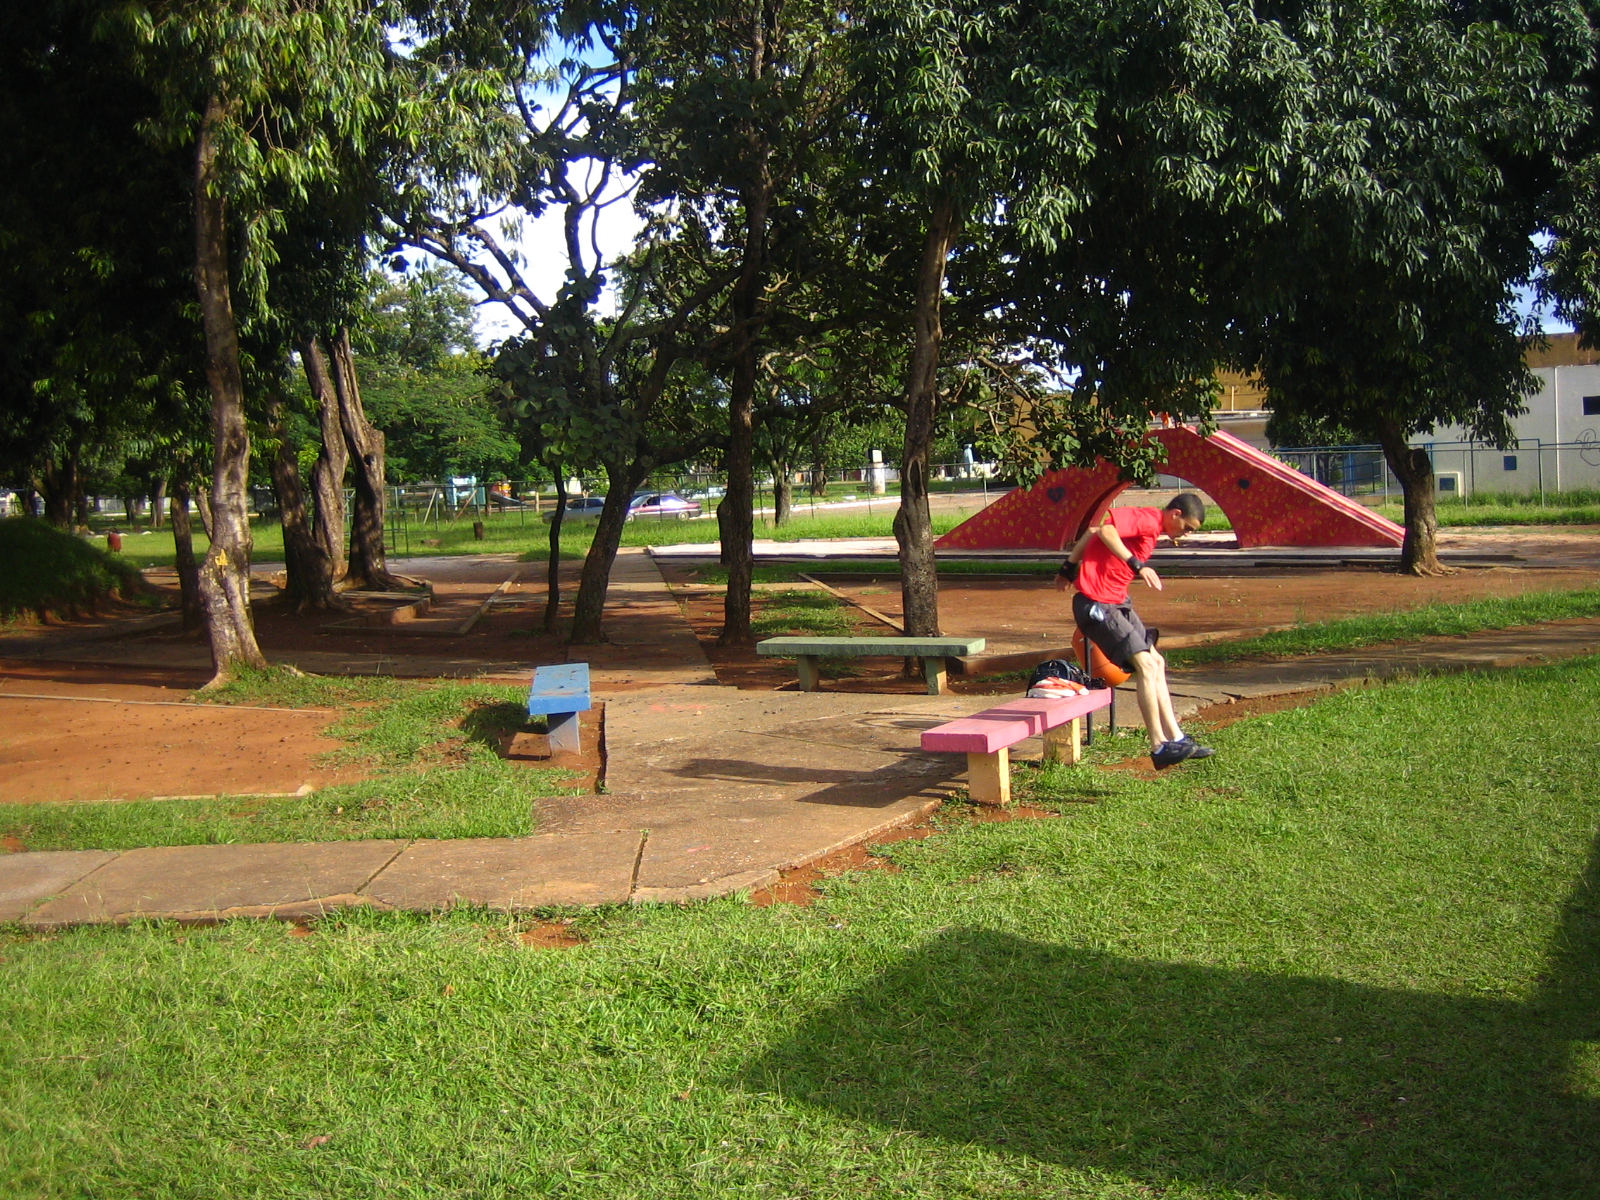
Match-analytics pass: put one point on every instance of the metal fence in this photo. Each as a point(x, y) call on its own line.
point(1530, 467)
point(419, 511)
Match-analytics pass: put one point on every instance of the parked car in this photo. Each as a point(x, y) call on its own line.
point(580, 508)
point(662, 505)
point(657, 505)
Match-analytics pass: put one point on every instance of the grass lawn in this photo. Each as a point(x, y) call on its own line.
point(430, 746)
point(1579, 507)
point(1432, 620)
point(1354, 955)
point(526, 535)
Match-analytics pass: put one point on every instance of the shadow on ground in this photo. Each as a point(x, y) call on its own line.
point(492, 724)
point(1173, 1074)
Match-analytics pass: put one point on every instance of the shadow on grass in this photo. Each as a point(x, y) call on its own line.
point(493, 724)
point(1176, 1074)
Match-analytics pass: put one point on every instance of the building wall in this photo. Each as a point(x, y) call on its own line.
point(1558, 438)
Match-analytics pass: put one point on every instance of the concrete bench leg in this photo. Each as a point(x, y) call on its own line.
point(989, 777)
point(1064, 743)
point(810, 676)
point(937, 672)
point(564, 733)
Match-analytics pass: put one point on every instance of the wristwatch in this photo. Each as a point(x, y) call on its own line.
point(1135, 564)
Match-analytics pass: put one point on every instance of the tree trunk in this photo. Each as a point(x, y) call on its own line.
point(369, 568)
point(913, 523)
point(589, 606)
point(310, 575)
point(202, 504)
point(183, 541)
point(552, 599)
point(225, 573)
point(58, 486)
point(1419, 555)
point(819, 478)
point(158, 504)
point(736, 513)
point(80, 506)
point(782, 494)
point(333, 460)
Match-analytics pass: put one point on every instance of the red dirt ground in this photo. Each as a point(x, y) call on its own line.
point(76, 748)
point(73, 749)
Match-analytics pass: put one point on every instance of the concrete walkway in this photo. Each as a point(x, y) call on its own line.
point(713, 791)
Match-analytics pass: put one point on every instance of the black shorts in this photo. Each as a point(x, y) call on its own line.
point(1115, 628)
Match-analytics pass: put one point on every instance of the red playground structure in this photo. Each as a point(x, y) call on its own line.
point(1269, 503)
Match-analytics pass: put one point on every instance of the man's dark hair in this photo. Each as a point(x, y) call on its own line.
point(1190, 506)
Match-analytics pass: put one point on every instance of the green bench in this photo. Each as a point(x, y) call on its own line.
point(935, 653)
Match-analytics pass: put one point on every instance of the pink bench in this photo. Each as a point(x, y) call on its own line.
point(986, 738)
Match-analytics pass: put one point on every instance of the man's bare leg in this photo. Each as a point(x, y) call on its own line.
point(1169, 718)
point(1155, 702)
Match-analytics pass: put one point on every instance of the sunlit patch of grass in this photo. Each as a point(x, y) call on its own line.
point(795, 613)
point(1433, 620)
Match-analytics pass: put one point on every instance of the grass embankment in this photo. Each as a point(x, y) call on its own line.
point(430, 748)
point(1433, 620)
point(43, 571)
point(1355, 954)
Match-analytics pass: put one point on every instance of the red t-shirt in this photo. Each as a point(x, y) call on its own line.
point(1105, 577)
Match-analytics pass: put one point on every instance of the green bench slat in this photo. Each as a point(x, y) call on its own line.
point(890, 647)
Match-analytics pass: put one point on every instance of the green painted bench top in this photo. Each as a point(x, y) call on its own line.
point(888, 647)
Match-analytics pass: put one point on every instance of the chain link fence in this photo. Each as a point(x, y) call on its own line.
point(1529, 468)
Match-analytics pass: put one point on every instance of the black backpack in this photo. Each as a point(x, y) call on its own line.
point(1059, 668)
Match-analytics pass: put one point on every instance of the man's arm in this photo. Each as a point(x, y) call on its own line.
point(1068, 574)
point(1114, 543)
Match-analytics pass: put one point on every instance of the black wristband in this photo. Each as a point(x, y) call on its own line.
point(1135, 564)
point(1069, 571)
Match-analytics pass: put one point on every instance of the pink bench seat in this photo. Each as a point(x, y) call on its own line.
point(1010, 723)
point(986, 738)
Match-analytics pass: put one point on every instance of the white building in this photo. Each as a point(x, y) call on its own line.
point(1558, 438)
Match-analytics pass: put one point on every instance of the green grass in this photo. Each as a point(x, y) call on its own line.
point(1357, 954)
point(711, 573)
point(430, 747)
point(1432, 620)
point(48, 571)
point(525, 534)
point(785, 614)
point(1575, 507)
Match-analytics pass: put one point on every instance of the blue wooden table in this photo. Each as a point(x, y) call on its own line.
point(561, 693)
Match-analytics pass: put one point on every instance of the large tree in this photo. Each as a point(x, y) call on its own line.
point(1398, 279)
point(94, 291)
point(1074, 176)
point(745, 128)
point(273, 100)
point(591, 386)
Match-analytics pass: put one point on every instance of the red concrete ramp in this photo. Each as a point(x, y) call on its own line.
point(1269, 503)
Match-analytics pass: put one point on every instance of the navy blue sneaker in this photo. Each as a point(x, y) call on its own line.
point(1196, 750)
point(1170, 754)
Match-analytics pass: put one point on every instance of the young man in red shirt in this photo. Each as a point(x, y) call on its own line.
point(1113, 553)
